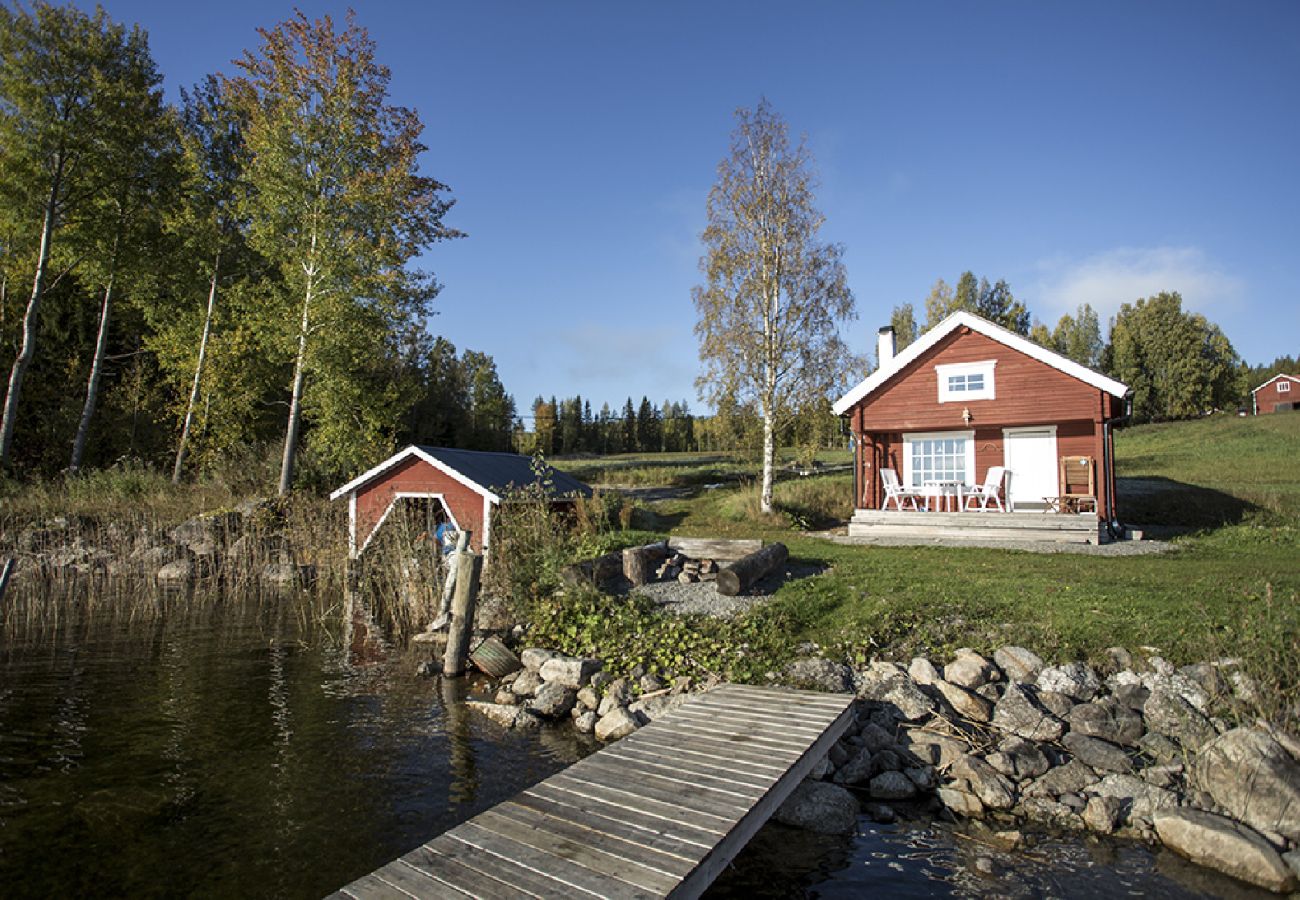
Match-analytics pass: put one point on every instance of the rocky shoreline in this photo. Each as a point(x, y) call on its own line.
point(1136, 749)
point(247, 544)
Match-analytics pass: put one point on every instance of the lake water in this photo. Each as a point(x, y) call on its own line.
point(266, 749)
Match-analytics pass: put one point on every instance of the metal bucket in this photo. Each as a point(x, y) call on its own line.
point(495, 658)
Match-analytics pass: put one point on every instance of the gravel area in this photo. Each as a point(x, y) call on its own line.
point(702, 597)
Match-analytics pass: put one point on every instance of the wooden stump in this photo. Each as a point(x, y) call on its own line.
point(740, 575)
point(462, 612)
point(639, 562)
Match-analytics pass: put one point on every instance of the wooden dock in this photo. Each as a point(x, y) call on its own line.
point(659, 813)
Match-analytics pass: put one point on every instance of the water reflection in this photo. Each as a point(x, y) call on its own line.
point(239, 747)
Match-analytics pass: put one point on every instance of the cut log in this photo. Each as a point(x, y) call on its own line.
point(639, 562)
point(714, 548)
point(743, 573)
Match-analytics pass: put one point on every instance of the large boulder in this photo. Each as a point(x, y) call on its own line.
point(1019, 713)
point(553, 700)
point(1142, 800)
point(1225, 845)
point(503, 714)
point(1107, 720)
point(1070, 778)
point(969, 670)
point(888, 683)
point(572, 672)
point(1075, 680)
point(819, 674)
point(534, 657)
point(1170, 713)
point(1097, 753)
point(923, 671)
point(616, 723)
point(1019, 759)
point(967, 703)
point(820, 806)
point(1253, 778)
point(176, 572)
point(939, 750)
point(892, 786)
point(993, 790)
point(1017, 663)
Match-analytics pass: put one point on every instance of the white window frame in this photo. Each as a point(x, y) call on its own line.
point(910, 439)
point(950, 370)
point(1284, 387)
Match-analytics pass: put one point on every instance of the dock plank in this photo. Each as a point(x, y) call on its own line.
point(659, 814)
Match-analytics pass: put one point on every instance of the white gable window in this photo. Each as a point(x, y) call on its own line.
point(966, 381)
point(1284, 387)
point(940, 456)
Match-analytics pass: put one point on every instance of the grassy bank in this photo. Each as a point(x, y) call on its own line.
point(1231, 588)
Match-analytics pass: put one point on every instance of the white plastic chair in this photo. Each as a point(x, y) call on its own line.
point(990, 491)
point(895, 491)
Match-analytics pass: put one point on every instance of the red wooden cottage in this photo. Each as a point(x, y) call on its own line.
point(464, 486)
point(1280, 393)
point(969, 395)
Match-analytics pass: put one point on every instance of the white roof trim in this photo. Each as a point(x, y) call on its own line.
point(1295, 378)
point(403, 455)
point(989, 330)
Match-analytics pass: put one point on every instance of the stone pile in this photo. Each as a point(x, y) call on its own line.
point(680, 568)
point(555, 688)
point(1136, 751)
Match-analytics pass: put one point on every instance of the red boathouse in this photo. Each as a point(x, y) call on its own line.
point(465, 486)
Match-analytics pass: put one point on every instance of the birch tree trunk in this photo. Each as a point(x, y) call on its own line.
point(295, 399)
point(96, 373)
point(28, 349)
point(198, 372)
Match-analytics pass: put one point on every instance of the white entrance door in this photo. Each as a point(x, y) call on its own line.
point(1030, 456)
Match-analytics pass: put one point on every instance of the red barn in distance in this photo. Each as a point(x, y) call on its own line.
point(464, 486)
point(969, 395)
point(1281, 393)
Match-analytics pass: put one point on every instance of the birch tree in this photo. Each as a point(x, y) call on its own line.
point(135, 152)
point(774, 294)
point(59, 69)
point(208, 222)
point(336, 203)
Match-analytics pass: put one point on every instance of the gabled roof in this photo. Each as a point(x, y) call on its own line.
point(1295, 378)
point(490, 474)
point(995, 332)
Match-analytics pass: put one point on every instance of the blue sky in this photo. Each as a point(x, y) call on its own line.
point(1086, 152)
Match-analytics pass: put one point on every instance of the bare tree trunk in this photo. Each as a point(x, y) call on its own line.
point(96, 373)
point(198, 372)
point(295, 400)
point(769, 459)
point(28, 350)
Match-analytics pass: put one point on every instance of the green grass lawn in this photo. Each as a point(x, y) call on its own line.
point(1228, 590)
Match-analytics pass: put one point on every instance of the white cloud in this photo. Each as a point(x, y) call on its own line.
point(1125, 274)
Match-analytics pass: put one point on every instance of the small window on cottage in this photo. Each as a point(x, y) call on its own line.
point(966, 381)
point(1284, 387)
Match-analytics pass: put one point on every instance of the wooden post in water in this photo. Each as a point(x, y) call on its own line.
point(468, 565)
point(4, 576)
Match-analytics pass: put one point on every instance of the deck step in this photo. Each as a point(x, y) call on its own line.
point(976, 526)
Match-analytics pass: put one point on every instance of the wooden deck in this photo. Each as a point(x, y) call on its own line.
point(659, 813)
point(976, 526)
